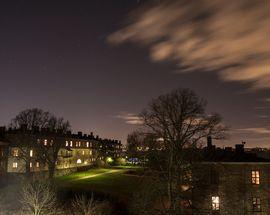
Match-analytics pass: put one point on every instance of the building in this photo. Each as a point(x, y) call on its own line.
point(20, 150)
point(232, 182)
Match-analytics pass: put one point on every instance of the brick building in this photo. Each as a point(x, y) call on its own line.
point(232, 182)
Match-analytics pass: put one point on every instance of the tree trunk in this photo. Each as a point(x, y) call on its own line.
point(51, 168)
point(27, 170)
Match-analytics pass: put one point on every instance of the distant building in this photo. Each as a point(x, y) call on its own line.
point(77, 150)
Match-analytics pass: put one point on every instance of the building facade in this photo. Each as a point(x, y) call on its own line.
point(231, 182)
point(20, 150)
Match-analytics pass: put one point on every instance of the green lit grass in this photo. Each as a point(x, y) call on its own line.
point(113, 181)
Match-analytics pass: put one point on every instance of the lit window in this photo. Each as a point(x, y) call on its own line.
point(215, 203)
point(87, 144)
point(79, 161)
point(83, 152)
point(90, 152)
point(31, 164)
point(256, 204)
point(15, 152)
point(79, 144)
point(15, 165)
point(71, 143)
point(37, 164)
point(31, 153)
point(66, 143)
point(255, 177)
point(45, 142)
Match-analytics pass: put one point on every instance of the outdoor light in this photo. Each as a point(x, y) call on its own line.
point(109, 160)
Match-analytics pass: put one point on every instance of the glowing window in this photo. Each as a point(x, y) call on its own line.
point(87, 144)
point(83, 152)
point(31, 164)
point(71, 143)
point(255, 177)
point(15, 165)
point(79, 161)
point(215, 203)
point(79, 144)
point(45, 142)
point(31, 153)
point(15, 153)
point(66, 143)
point(37, 164)
point(256, 204)
point(90, 152)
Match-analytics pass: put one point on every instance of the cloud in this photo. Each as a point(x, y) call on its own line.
point(228, 37)
point(254, 130)
point(130, 118)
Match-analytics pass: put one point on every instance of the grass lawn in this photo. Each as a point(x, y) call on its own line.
point(114, 181)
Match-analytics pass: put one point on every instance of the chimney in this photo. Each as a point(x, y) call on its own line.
point(2, 131)
point(79, 133)
point(209, 142)
point(239, 149)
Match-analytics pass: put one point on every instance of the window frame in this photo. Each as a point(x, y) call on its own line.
point(256, 204)
point(255, 177)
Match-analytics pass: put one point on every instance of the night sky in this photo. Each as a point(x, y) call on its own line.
point(67, 57)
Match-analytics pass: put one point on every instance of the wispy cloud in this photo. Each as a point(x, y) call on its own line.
point(263, 116)
point(254, 130)
point(229, 37)
point(130, 118)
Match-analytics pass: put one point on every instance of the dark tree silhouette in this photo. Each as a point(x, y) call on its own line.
point(179, 119)
point(30, 119)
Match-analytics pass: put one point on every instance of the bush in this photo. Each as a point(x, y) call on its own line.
point(83, 206)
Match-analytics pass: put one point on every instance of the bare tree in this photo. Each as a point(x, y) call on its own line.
point(83, 206)
point(48, 154)
point(30, 119)
point(179, 119)
point(39, 199)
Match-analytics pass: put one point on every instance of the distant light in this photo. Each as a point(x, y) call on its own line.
point(79, 161)
point(109, 160)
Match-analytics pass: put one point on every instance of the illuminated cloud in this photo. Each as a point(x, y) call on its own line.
point(255, 130)
point(228, 37)
point(130, 118)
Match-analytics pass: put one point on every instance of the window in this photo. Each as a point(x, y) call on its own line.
point(37, 164)
point(255, 177)
point(71, 144)
point(215, 203)
point(90, 152)
point(15, 165)
point(15, 153)
point(45, 142)
point(66, 143)
point(31, 153)
point(256, 204)
point(83, 152)
point(87, 144)
point(31, 164)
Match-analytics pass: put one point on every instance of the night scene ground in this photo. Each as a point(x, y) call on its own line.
point(134, 107)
